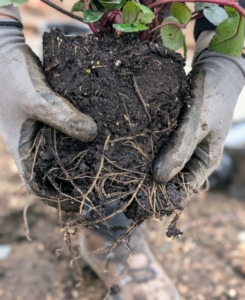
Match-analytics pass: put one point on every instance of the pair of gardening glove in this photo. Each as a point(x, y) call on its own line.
point(26, 100)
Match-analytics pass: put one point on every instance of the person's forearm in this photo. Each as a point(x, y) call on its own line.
point(6, 17)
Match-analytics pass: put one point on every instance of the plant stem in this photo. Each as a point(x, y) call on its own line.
point(91, 25)
point(159, 9)
point(230, 3)
point(86, 4)
point(143, 35)
point(164, 24)
point(93, 28)
point(63, 11)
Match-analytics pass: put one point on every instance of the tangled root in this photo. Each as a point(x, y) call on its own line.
point(161, 197)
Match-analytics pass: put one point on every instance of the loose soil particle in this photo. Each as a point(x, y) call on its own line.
point(134, 91)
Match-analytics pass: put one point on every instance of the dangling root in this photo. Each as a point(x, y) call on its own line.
point(111, 183)
point(96, 177)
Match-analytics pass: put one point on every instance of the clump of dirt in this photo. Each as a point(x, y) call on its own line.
point(134, 91)
point(114, 289)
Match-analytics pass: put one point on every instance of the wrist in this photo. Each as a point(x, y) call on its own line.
point(6, 17)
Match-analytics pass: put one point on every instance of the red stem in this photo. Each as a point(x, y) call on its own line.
point(93, 29)
point(143, 35)
point(86, 6)
point(157, 11)
point(231, 3)
point(151, 33)
point(164, 24)
point(91, 25)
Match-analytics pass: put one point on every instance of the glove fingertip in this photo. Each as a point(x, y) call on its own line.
point(85, 131)
point(162, 171)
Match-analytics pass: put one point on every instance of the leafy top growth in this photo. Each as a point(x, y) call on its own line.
point(151, 19)
point(163, 20)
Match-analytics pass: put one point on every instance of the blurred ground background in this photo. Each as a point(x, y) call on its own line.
point(207, 262)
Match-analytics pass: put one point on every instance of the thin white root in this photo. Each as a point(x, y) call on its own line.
point(27, 230)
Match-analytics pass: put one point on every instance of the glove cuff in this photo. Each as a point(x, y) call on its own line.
point(10, 11)
point(7, 23)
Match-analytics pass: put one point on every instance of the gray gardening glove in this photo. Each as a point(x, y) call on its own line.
point(198, 142)
point(26, 99)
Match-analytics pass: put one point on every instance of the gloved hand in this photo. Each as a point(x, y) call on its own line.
point(26, 99)
point(198, 142)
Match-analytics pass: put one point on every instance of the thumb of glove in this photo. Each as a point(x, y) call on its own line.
point(171, 158)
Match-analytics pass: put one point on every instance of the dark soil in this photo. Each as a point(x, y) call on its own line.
point(115, 289)
point(134, 91)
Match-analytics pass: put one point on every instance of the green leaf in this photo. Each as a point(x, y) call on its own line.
point(14, 2)
point(181, 12)
point(215, 14)
point(117, 4)
point(91, 16)
point(231, 11)
point(229, 35)
point(78, 6)
point(136, 13)
point(172, 37)
point(144, 18)
point(129, 12)
point(135, 27)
